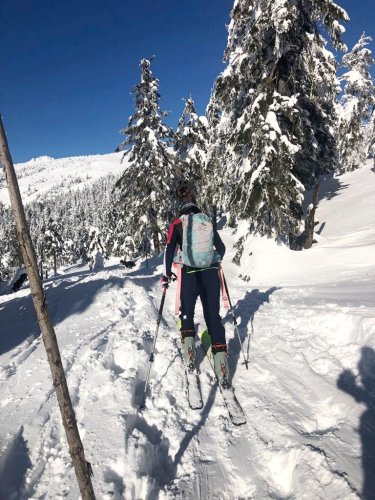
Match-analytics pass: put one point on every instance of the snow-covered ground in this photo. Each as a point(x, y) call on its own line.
point(48, 176)
point(309, 392)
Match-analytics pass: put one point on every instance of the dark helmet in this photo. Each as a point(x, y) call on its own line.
point(185, 192)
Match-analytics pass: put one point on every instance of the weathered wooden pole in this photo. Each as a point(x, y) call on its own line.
point(81, 466)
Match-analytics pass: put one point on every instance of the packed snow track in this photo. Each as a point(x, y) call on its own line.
point(308, 325)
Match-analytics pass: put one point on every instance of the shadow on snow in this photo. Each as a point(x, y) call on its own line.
point(364, 392)
point(155, 461)
point(245, 310)
point(17, 316)
point(13, 466)
point(330, 188)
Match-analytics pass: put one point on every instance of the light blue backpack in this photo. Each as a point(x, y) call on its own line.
point(197, 242)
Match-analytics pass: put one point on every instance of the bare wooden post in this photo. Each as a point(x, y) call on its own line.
point(81, 466)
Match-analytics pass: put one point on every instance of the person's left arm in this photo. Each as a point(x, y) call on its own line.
point(174, 239)
point(218, 244)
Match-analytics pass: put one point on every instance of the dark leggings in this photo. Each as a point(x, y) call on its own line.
point(206, 285)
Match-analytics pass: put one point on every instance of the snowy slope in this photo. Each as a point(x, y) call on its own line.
point(311, 318)
point(45, 175)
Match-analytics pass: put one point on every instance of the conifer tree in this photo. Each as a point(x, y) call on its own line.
point(128, 248)
point(94, 205)
point(271, 112)
point(114, 237)
point(371, 137)
point(96, 250)
point(190, 146)
point(10, 254)
point(357, 104)
point(53, 243)
point(147, 184)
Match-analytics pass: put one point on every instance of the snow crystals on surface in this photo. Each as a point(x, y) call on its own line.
point(308, 393)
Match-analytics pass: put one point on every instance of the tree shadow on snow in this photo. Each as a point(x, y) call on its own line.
point(17, 316)
point(13, 467)
point(17, 323)
point(364, 392)
point(245, 310)
point(18, 320)
point(330, 187)
point(320, 230)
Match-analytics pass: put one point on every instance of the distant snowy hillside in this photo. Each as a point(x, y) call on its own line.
point(45, 175)
point(307, 320)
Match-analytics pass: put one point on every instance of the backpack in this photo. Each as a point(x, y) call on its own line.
point(197, 242)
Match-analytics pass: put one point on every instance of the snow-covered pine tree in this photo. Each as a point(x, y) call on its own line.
point(53, 243)
point(93, 205)
point(357, 103)
point(190, 146)
point(148, 182)
point(96, 251)
point(272, 110)
point(128, 248)
point(371, 137)
point(114, 237)
point(10, 254)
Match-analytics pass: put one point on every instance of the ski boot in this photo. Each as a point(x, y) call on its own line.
point(189, 350)
point(221, 365)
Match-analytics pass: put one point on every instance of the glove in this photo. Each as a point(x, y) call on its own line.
point(165, 280)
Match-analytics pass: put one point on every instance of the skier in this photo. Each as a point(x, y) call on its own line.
point(199, 253)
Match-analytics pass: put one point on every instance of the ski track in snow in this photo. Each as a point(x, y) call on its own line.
point(303, 435)
point(168, 450)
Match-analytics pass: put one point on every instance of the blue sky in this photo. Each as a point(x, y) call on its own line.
point(68, 66)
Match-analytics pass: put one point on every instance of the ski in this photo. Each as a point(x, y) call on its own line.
point(193, 386)
point(194, 393)
point(235, 411)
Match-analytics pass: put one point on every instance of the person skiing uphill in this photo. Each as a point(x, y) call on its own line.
point(199, 253)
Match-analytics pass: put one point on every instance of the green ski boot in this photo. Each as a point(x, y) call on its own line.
point(189, 352)
point(222, 369)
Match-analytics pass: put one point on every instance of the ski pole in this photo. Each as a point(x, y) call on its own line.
point(152, 355)
point(235, 323)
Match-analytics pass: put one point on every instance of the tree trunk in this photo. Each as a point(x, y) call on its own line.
point(310, 219)
point(54, 263)
point(41, 262)
point(156, 242)
point(214, 217)
point(82, 468)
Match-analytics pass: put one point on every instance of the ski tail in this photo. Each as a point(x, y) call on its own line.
point(235, 411)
